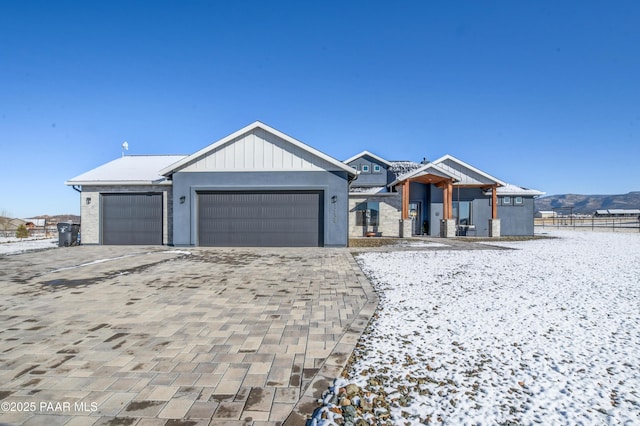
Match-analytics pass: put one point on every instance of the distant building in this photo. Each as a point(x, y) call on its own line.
point(545, 214)
point(617, 213)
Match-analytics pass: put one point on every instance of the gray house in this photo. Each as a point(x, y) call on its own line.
point(445, 197)
point(261, 187)
point(255, 187)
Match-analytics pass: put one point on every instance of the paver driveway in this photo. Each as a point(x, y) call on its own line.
point(152, 335)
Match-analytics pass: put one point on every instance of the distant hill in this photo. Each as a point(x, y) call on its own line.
point(587, 204)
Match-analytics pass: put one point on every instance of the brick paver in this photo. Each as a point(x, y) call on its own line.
point(149, 336)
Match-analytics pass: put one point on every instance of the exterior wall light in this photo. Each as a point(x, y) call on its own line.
point(182, 199)
point(334, 199)
point(88, 200)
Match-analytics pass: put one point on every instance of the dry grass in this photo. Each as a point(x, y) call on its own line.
point(387, 241)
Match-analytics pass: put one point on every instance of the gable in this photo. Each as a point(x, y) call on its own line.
point(464, 173)
point(367, 156)
point(258, 150)
point(258, 147)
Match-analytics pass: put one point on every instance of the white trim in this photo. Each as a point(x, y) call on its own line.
point(177, 166)
point(363, 153)
point(117, 182)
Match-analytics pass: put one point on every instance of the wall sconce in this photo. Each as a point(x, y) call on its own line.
point(334, 199)
point(88, 200)
point(182, 199)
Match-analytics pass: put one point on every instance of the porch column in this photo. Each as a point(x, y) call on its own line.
point(405, 200)
point(448, 200)
point(494, 222)
point(405, 222)
point(447, 225)
point(494, 202)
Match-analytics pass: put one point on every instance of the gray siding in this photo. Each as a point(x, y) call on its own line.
point(370, 178)
point(517, 220)
point(188, 184)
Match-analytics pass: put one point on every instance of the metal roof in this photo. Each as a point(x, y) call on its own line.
point(130, 169)
point(510, 189)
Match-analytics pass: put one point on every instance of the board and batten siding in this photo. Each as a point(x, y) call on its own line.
point(259, 150)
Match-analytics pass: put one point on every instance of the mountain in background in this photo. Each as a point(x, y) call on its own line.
point(588, 204)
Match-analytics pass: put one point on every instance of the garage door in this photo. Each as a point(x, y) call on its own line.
point(260, 219)
point(132, 218)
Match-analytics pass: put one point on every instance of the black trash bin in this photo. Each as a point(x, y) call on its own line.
point(68, 234)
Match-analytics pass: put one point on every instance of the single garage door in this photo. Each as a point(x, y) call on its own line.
point(260, 219)
point(132, 219)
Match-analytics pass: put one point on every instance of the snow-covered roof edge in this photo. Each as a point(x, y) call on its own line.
point(128, 170)
point(513, 190)
point(363, 153)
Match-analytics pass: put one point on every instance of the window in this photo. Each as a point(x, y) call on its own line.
point(354, 166)
point(506, 201)
point(518, 201)
point(462, 212)
point(376, 168)
point(365, 168)
point(367, 214)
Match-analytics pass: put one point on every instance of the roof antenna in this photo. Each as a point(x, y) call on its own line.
point(125, 147)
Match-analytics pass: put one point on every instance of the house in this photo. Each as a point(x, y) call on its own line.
point(255, 187)
point(545, 214)
point(617, 213)
point(261, 187)
point(445, 197)
point(9, 226)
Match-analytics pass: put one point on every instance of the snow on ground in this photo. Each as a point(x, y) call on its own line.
point(15, 245)
point(548, 333)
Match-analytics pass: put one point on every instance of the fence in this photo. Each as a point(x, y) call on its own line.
point(608, 224)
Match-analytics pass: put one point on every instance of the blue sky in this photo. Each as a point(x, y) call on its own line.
point(543, 94)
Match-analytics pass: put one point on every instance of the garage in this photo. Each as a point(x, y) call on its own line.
point(260, 218)
point(132, 219)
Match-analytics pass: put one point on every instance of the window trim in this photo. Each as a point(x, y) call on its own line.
point(506, 200)
point(365, 168)
point(516, 202)
point(377, 168)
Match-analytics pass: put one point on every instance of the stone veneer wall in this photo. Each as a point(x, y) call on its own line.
point(90, 213)
point(390, 212)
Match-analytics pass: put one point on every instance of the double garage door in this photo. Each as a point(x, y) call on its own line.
point(260, 219)
point(132, 219)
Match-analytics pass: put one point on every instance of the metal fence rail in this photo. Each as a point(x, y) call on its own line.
point(609, 224)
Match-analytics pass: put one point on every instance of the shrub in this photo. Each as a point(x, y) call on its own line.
point(22, 232)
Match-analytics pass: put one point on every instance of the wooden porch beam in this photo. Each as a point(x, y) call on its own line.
point(405, 200)
point(494, 202)
point(448, 200)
